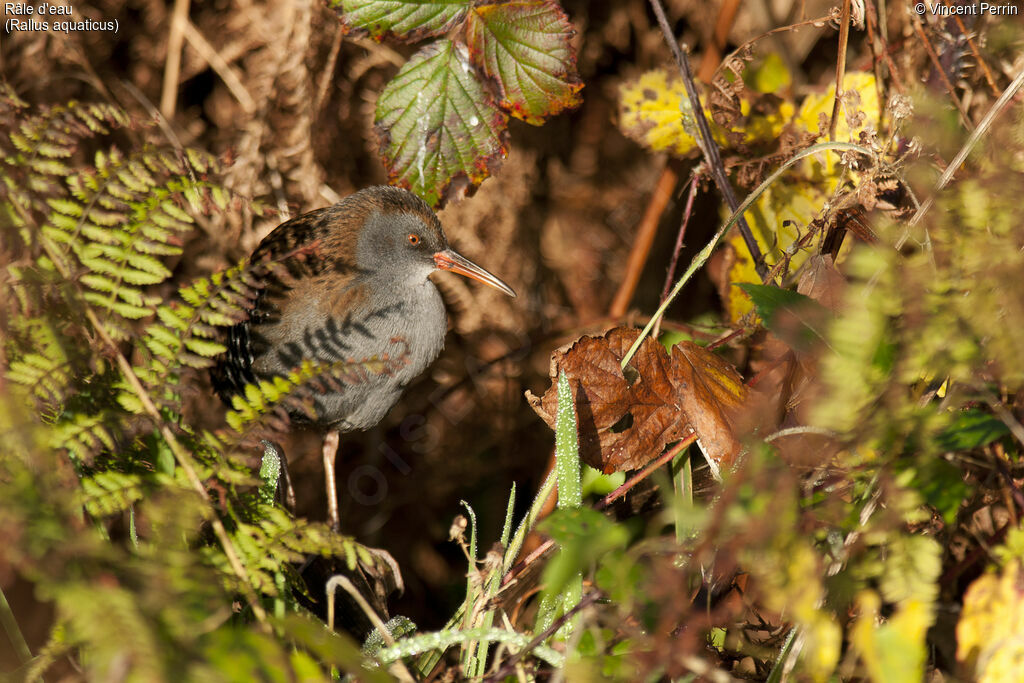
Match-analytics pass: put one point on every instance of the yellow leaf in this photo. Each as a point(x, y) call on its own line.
point(989, 640)
point(893, 651)
point(815, 105)
point(777, 219)
point(649, 113)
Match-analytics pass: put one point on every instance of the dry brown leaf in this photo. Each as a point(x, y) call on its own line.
point(711, 393)
point(627, 418)
point(822, 282)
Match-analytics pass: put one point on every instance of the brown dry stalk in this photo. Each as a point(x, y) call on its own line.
point(844, 38)
point(964, 118)
point(977, 56)
point(172, 65)
point(680, 237)
point(328, 72)
point(706, 141)
point(644, 239)
point(881, 50)
point(220, 66)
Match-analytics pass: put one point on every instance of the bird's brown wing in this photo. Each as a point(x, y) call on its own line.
point(307, 262)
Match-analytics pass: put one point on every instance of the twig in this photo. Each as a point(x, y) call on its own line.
point(328, 72)
point(1004, 471)
point(973, 555)
point(509, 667)
point(378, 623)
point(874, 43)
point(163, 123)
point(961, 156)
point(220, 66)
point(1007, 419)
point(874, 22)
point(706, 141)
point(644, 239)
point(964, 118)
point(665, 457)
point(172, 65)
point(977, 55)
point(803, 429)
point(685, 221)
point(816, 22)
point(844, 37)
point(713, 52)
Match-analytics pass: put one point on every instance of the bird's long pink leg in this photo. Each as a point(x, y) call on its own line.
point(331, 441)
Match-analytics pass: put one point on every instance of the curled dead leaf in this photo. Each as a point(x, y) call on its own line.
point(712, 394)
point(628, 416)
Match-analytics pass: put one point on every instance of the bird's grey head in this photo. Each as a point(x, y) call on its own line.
point(400, 235)
point(401, 239)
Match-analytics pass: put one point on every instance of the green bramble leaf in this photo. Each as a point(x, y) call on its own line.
point(795, 317)
point(769, 299)
point(407, 20)
point(972, 429)
point(437, 125)
point(524, 47)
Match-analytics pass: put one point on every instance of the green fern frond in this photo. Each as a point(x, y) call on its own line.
point(110, 492)
point(47, 369)
point(111, 621)
point(126, 213)
point(274, 540)
point(187, 333)
point(273, 400)
point(84, 436)
point(34, 151)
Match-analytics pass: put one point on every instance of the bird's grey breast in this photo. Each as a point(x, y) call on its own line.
point(405, 324)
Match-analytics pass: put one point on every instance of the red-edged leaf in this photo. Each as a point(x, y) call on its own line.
point(408, 20)
point(436, 124)
point(524, 46)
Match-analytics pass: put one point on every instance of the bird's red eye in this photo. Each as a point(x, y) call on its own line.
point(414, 239)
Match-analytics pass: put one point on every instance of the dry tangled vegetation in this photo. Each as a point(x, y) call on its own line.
point(806, 464)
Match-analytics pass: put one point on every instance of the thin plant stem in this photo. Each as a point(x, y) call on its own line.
point(701, 258)
point(706, 141)
point(399, 669)
point(844, 37)
point(13, 631)
point(937, 65)
point(679, 245)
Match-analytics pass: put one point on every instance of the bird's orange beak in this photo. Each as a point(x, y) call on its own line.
point(451, 260)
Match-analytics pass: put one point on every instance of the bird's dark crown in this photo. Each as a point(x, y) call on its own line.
point(368, 229)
